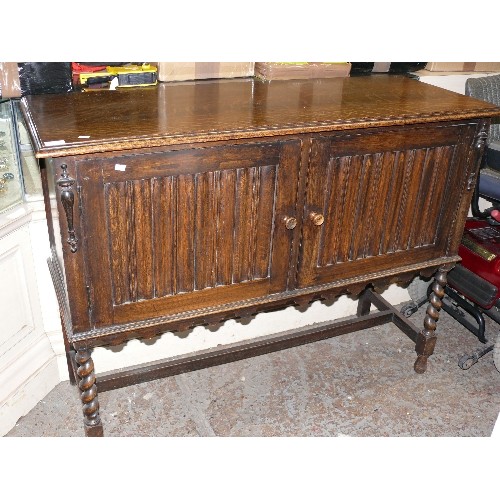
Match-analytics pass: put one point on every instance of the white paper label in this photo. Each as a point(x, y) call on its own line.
point(54, 143)
point(84, 137)
point(119, 167)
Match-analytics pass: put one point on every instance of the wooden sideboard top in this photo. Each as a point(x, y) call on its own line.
point(203, 111)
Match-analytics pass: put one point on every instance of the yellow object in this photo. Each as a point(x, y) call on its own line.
point(131, 75)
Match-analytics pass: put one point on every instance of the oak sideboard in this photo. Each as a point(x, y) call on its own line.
point(189, 203)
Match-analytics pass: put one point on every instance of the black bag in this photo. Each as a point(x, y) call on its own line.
point(45, 77)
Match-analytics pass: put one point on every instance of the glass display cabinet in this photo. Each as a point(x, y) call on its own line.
point(11, 181)
point(19, 173)
point(30, 171)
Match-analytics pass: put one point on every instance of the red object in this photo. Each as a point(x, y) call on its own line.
point(77, 68)
point(496, 215)
point(483, 259)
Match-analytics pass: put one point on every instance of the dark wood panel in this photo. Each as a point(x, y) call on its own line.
point(444, 168)
point(225, 224)
point(392, 139)
point(379, 204)
point(265, 196)
point(117, 222)
point(285, 205)
point(411, 189)
point(185, 234)
point(198, 299)
point(207, 243)
point(186, 161)
point(204, 229)
point(367, 190)
point(242, 225)
point(74, 262)
point(164, 231)
point(460, 182)
point(167, 235)
point(392, 205)
point(144, 238)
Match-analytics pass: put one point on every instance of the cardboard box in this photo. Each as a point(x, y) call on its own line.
point(293, 71)
point(463, 66)
point(10, 86)
point(180, 71)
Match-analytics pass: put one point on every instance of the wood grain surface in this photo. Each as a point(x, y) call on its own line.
point(201, 111)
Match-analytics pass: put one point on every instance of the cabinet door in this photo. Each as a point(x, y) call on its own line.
point(187, 229)
point(384, 199)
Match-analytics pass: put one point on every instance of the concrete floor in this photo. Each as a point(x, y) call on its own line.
point(360, 384)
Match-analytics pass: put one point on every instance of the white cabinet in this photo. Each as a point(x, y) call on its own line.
point(28, 363)
point(28, 367)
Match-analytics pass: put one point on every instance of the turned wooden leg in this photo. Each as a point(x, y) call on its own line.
point(88, 394)
point(426, 339)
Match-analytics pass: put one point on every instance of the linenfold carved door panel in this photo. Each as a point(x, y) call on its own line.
point(370, 199)
point(203, 225)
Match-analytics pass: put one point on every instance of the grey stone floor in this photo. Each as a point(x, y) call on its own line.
point(360, 384)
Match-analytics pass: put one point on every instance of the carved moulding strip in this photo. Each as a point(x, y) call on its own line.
point(257, 132)
point(479, 145)
point(62, 300)
point(482, 136)
point(131, 330)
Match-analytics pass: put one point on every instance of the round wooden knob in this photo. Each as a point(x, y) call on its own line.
point(290, 222)
point(316, 218)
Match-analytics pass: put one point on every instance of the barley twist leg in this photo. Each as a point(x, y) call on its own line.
point(88, 393)
point(426, 339)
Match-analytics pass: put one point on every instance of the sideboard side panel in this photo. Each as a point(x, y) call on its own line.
point(69, 246)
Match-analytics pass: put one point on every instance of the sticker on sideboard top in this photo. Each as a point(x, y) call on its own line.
point(119, 167)
point(54, 143)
